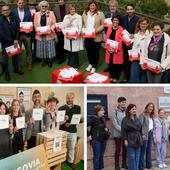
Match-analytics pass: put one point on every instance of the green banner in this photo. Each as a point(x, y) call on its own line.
point(32, 159)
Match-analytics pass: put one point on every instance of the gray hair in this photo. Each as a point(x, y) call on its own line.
point(43, 3)
point(113, 2)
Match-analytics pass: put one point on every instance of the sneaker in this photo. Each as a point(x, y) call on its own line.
point(93, 70)
point(164, 165)
point(89, 67)
point(160, 166)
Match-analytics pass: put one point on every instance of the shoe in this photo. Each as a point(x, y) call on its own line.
point(160, 166)
point(117, 167)
point(44, 63)
point(89, 67)
point(124, 166)
point(164, 165)
point(60, 61)
point(93, 70)
point(29, 66)
point(19, 72)
point(50, 64)
point(7, 77)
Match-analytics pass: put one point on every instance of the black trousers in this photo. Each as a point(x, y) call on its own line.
point(127, 63)
point(31, 142)
point(93, 51)
point(60, 46)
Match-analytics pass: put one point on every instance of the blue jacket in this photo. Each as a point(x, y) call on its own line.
point(27, 15)
point(9, 31)
point(130, 25)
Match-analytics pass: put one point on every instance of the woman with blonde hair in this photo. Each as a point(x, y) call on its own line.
point(142, 38)
point(45, 41)
point(73, 45)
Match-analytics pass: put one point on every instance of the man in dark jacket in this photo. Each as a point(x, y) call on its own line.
point(60, 10)
point(129, 23)
point(24, 15)
point(9, 34)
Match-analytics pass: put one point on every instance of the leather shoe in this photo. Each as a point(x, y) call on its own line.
point(7, 77)
point(50, 64)
point(44, 63)
point(19, 72)
point(61, 61)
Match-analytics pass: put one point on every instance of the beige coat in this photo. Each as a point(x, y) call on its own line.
point(75, 21)
point(98, 24)
point(165, 59)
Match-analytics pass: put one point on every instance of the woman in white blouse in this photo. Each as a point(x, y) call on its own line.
point(93, 19)
point(141, 42)
point(72, 21)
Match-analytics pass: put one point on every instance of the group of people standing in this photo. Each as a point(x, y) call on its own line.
point(17, 140)
point(133, 133)
point(151, 41)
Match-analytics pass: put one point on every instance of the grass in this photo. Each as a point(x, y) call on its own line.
point(80, 166)
point(43, 74)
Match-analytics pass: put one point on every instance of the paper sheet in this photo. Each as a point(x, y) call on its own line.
point(75, 119)
point(37, 114)
point(97, 78)
point(68, 72)
point(60, 115)
point(20, 122)
point(4, 121)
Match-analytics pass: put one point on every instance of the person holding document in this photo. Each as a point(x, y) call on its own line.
point(45, 42)
point(93, 19)
point(158, 50)
point(73, 45)
point(34, 119)
point(9, 35)
point(5, 142)
point(71, 110)
point(17, 142)
point(24, 15)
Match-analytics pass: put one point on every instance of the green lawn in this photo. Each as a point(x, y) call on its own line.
point(80, 166)
point(43, 74)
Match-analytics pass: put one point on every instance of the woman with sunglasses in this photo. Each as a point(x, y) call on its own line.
point(45, 41)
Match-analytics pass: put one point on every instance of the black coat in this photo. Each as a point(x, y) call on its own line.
point(97, 128)
point(132, 131)
point(130, 25)
point(9, 31)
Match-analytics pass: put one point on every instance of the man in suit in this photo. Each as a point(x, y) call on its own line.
point(24, 15)
point(60, 10)
point(129, 23)
point(9, 35)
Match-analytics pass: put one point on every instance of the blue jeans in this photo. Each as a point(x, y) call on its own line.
point(133, 155)
point(137, 75)
point(98, 154)
point(146, 149)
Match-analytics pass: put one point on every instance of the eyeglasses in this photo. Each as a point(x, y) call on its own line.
point(44, 6)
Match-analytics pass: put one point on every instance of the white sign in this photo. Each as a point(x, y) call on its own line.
point(164, 102)
point(20, 122)
point(37, 114)
point(4, 121)
point(60, 115)
point(57, 143)
point(167, 89)
point(75, 119)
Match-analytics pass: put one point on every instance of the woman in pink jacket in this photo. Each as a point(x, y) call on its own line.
point(45, 41)
point(114, 59)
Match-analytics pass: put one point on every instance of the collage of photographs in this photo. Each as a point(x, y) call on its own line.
point(84, 84)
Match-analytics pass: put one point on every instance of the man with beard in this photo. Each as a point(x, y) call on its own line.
point(70, 109)
point(21, 102)
point(33, 126)
point(129, 23)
